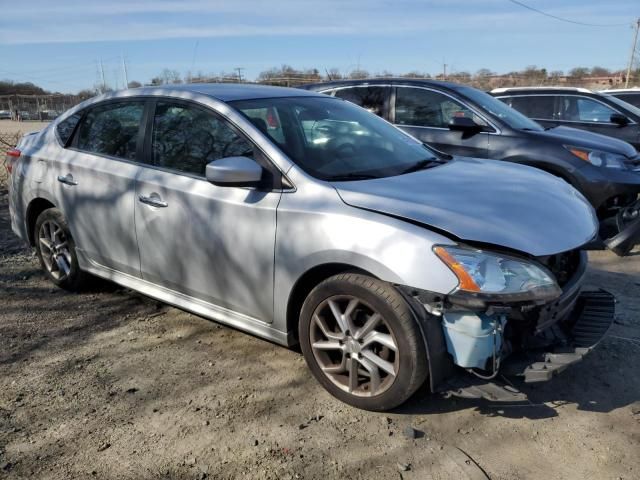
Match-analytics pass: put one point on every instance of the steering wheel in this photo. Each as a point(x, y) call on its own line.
point(341, 147)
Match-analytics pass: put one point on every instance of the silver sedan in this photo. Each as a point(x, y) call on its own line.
point(302, 218)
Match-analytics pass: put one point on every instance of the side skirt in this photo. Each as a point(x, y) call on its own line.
point(185, 302)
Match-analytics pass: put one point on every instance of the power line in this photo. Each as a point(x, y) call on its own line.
point(566, 19)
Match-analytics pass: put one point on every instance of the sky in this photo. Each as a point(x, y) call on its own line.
point(58, 44)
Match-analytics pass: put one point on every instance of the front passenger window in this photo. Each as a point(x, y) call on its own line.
point(187, 138)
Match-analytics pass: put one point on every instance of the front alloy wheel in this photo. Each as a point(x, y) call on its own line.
point(353, 345)
point(361, 341)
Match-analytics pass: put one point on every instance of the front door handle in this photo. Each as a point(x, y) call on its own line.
point(153, 201)
point(67, 179)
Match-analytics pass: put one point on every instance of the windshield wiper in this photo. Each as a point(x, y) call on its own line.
point(424, 164)
point(351, 176)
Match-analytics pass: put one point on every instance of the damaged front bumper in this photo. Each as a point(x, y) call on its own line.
point(471, 349)
point(595, 312)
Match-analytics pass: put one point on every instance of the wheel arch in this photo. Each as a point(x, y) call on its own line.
point(440, 366)
point(307, 282)
point(34, 209)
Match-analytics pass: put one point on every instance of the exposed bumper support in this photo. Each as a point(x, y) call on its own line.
point(622, 243)
point(594, 320)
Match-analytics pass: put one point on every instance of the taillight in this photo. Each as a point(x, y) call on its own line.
point(11, 156)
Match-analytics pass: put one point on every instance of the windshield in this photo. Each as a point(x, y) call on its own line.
point(332, 139)
point(495, 107)
point(621, 103)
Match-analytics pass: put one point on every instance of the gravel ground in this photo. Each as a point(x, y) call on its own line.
point(110, 384)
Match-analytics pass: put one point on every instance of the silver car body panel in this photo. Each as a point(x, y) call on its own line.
point(236, 254)
point(210, 242)
point(521, 208)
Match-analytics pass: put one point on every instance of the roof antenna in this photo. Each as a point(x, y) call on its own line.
point(328, 74)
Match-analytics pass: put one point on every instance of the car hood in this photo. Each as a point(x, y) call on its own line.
point(486, 201)
point(582, 138)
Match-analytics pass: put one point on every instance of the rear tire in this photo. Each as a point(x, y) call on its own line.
point(57, 251)
point(361, 341)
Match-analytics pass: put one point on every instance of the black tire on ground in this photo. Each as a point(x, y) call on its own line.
point(410, 358)
point(76, 279)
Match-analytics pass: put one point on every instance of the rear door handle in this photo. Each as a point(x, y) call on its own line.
point(67, 179)
point(153, 201)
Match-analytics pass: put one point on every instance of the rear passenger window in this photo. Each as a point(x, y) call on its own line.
point(187, 138)
point(111, 130)
point(370, 98)
point(534, 106)
point(66, 127)
point(425, 108)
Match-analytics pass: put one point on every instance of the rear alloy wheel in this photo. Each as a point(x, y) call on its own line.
point(56, 250)
point(361, 341)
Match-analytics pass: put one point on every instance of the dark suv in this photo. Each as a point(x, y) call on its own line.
point(460, 120)
point(576, 107)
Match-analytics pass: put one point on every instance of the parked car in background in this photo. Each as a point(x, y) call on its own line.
point(5, 115)
point(629, 95)
point(460, 120)
point(304, 219)
point(577, 108)
point(45, 115)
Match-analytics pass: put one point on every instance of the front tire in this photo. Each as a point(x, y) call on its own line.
point(57, 250)
point(361, 341)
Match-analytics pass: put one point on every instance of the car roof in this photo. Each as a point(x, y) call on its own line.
point(622, 90)
point(384, 81)
point(228, 92)
point(540, 89)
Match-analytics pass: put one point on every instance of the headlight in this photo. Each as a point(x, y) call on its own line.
point(599, 158)
point(495, 275)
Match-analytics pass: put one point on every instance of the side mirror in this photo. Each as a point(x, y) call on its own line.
point(234, 171)
point(619, 119)
point(464, 124)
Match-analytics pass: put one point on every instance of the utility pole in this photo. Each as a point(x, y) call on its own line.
point(633, 53)
point(444, 71)
point(124, 69)
point(104, 82)
point(239, 70)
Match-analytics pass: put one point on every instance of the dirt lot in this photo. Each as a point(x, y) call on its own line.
point(109, 384)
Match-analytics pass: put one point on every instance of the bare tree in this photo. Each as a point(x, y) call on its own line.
point(415, 74)
point(334, 74)
point(358, 74)
point(579, 72)
point(600, 72)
